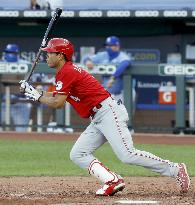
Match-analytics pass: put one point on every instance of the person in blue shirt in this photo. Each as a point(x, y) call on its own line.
point(112, 55)
point(20, 111)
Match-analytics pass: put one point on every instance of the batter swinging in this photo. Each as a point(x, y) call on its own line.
point(108, 121)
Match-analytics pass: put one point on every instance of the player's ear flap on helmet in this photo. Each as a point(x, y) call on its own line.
point(64, 56)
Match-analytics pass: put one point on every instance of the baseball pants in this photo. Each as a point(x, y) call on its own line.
point(110, 125)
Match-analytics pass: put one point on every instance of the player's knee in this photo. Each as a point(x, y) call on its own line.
point(74, 156)
point(80, 159)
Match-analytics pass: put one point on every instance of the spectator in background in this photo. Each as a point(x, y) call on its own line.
point(11, 54)
point(20, 111)
point(39, 5)
point(46, 4)
point(112, 55)
point(56, 4)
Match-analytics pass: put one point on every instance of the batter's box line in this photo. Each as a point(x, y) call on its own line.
point(136, 202)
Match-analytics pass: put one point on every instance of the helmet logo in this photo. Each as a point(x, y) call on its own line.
point(59, 85)
point(109, 40)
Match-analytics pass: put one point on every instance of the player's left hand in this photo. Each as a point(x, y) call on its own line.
point(110, 82)
point(34, 96)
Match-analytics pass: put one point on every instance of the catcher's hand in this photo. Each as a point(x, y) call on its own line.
point(29, 91)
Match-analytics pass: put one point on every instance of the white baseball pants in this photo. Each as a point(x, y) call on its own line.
point(110, 124)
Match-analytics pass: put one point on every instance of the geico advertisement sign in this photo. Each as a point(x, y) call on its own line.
point(177, 70)
point(104, 69)
point(100, 69)
point(13, 68)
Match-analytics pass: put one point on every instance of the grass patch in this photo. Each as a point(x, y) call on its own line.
point(51, 158)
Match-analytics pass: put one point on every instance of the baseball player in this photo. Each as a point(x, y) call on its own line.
point(112, 55)
point(108, 121)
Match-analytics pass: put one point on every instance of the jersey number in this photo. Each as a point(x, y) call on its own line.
point(77, 68)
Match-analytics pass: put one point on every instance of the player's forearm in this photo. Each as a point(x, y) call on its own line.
point(47, 94)
point(51, 101)
point(121, 68)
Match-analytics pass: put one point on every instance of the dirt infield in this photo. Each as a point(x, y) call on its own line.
point(80, 190)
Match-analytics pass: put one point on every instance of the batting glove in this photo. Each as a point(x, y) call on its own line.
point(29, 91)
point(25, 86)
point(34, 96)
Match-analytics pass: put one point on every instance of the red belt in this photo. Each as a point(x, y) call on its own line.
point(94, 110)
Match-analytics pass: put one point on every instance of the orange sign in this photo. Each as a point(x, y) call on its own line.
point(167, 95)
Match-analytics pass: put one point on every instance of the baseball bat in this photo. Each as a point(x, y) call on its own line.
point(45, 40)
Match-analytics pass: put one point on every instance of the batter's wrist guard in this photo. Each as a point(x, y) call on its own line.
point(41, 94)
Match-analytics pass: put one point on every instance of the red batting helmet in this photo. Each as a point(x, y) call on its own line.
point(60, 45)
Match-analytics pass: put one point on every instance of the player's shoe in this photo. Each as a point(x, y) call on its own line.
point(111, 188)
point(183, 178)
